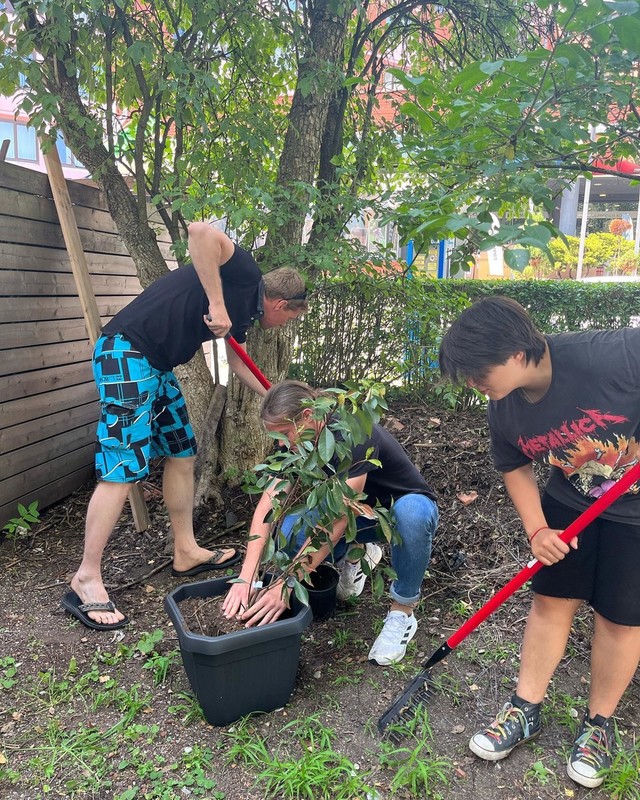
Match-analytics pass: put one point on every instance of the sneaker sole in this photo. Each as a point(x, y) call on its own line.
point(493, 755)
point(583, 780)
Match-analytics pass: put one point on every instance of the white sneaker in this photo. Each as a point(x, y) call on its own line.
point(391, 645)
point(352, 578)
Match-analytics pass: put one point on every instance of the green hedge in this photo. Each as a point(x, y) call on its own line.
point(389, 328)
point(557, 306)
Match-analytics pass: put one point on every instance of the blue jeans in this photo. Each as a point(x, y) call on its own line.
point(415, 521)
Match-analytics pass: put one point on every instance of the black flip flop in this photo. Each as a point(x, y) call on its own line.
point(209, 565)
point(73, 605)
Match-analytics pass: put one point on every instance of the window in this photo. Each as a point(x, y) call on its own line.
point(67, 159)
point(22, 141)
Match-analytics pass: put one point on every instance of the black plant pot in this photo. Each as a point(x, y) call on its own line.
point(250, 670)
point(321, 588)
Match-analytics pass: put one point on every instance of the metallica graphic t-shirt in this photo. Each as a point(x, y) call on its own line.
point(586, 428)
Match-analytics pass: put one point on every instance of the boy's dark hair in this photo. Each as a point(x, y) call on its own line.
point(486, 334)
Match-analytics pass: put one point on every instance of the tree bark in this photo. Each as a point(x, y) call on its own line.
point(319, 75)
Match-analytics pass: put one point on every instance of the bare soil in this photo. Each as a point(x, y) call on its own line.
point(480, 545)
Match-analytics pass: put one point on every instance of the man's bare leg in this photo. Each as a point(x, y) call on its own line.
point(103, 512)
point(178, 490)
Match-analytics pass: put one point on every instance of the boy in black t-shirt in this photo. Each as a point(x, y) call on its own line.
point(143, 413)
point(394, 481)
point(570, 401)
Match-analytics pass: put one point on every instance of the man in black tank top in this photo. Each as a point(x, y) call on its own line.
point(143, 413)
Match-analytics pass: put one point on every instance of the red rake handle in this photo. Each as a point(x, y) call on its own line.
point(248, 361)
point(576, 527)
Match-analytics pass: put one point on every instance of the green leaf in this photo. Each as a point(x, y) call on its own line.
point(516, 258)
point(301, 593)
point(326, 445)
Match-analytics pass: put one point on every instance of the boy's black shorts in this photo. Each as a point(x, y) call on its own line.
point(604, 570)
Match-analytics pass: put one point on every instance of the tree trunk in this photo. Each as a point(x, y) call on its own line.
point(243, 441)
point(319, 75)
point(320, 67)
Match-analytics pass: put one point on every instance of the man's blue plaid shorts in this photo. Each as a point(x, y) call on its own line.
point(143, 413)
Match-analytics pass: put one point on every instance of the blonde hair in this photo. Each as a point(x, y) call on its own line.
point(287, 284)
point(286, 401)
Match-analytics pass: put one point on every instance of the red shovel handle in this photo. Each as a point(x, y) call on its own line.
point(248, 361)
point(576, 527)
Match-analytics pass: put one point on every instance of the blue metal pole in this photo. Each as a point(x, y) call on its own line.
point(442, 250)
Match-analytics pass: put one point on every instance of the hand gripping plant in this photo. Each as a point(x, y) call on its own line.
point(309, 480)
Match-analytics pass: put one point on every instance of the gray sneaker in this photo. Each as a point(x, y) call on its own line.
point(591, 753)
point(512, 726)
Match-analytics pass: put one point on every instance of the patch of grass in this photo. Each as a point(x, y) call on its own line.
point(351, 679)
point(563, 709)
point(186, 777)
point(316, 771)
point(416, 766)
point(622, 781)
point(187, 708)
point(341, 638)
point(461, 608)
point(491, 654)
point(448, 685)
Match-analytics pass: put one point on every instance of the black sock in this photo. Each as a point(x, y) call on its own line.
point(599, 721)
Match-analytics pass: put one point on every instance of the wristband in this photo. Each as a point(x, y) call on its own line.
point(535, 533)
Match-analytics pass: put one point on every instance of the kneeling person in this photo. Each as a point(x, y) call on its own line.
point(395, 484)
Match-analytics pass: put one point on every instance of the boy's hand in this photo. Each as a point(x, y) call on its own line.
point(548, 547)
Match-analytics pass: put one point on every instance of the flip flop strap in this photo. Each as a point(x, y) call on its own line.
point(97, 607)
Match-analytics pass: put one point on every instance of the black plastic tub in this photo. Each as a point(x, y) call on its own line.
point(322, 588)
point(241, 672)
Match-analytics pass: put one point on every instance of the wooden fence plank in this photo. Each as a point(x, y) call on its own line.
point(83, 195)
point(41, 405)
point(25, 359)
point(32, 182)
point(46, 380)
point(16, 487)
point(16, 283)
point(12, 309)
point(46, 450)
point(36, 430)
point(39, 332)
point(48, 234)
point(49, 492)
point(42, 209)
point(44, 259)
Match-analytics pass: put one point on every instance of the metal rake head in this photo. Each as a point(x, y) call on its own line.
point(415, 694)
point(398, 717)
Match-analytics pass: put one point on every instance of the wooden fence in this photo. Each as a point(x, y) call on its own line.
point(48, 402)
